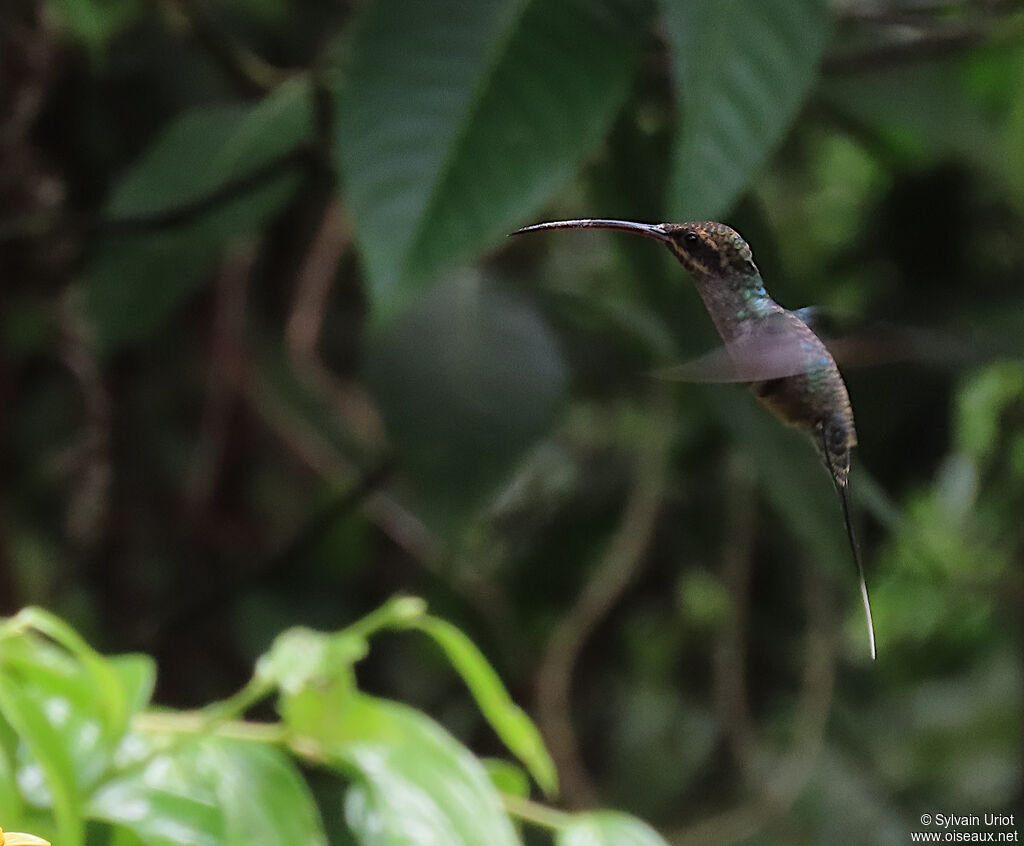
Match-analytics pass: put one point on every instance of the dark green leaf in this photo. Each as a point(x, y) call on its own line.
point(463, 120)
point(465, 382)
point(742, 71)
point(136, 280)
point(95, 22)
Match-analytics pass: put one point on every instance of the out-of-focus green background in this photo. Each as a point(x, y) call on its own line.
point(267, 358)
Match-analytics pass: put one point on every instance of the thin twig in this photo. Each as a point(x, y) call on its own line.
point(730, 655)
point(90, 498)
point(935, 42)
point(227, 366)
point(305, 324)
point(399, 524)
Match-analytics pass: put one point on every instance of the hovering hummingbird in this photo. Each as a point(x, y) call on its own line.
point(774, 350)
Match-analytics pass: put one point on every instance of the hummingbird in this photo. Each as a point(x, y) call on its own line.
point(772, 349)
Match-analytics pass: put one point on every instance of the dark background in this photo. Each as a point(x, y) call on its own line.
point(267, 359)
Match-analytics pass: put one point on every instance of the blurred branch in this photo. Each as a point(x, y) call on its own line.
point(401, 526)
point(781, 781)
point(613, 574)
point(39, 225)
point(226, 368)
point(730, 655)
point(305, 324)
point(250, 74)
point(914, 15)
point(90, 461)
point(917, 39)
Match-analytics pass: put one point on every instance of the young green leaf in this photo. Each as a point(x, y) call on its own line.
point(742, 70)
point(508, 720)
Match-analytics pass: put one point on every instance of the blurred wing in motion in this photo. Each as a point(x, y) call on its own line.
point(773, 349)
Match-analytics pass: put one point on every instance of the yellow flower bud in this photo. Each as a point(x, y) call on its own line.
point(17, 838)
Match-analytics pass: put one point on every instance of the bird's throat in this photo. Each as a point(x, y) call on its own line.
point(734, 302)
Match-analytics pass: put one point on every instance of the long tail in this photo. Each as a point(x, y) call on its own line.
point(844, 498)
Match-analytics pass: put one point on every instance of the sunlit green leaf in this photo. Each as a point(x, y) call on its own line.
point(160, 808)
point(507, 777)
point(70, 710)
point(608, 828)
point(742, 70)
point(510, 722)
point(415, 784)
point(10, 797)
point(461, 122)
point(213, 791)
point(120, 686)
point(50, 774)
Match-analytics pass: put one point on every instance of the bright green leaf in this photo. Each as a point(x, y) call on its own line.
point(51, 768)
point(509, 721)
point(160, 814)
point(261, 795)
point(10, 798)
point(507, 777)
point(457, 125)
point(70, 707)
point(742, 68)
point(416, 785)
point(608, 828)
point(120, 685)
point(213, 792)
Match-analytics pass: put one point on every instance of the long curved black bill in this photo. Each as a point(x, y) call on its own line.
point(647, 230)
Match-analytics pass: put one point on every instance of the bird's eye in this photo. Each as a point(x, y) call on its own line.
point(691, 239)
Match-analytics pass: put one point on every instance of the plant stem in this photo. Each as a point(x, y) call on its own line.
point(534, 812)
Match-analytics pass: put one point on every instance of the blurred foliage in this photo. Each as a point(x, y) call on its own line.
point(267, 359)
